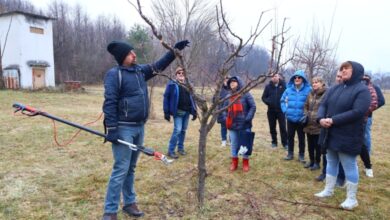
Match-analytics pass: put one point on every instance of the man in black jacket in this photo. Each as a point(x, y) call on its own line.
point(126, 108)
point(271, 97)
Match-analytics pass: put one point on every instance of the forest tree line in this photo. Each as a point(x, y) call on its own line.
point(80, 45)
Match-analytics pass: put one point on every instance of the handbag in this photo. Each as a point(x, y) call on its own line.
point(245, 142)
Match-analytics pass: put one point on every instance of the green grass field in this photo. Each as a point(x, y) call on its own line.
point(39, 180)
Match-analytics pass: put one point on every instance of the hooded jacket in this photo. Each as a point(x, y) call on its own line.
point(293, 100)
point(242, 121)
point(171, 99)
point(272, 94)
point(346, 104)
point(126, 98)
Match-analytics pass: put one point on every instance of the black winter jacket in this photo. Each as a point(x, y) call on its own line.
point(126, 98)
point(346, 104)
point(272, 94)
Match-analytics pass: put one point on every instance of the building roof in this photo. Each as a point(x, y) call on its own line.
point(29, 14)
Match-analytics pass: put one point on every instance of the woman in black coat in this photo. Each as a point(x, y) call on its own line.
point(341, 113)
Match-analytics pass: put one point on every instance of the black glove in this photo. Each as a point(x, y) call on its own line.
point(167, 117)
point(181, 44)
point(112, 135)
point(194, 117)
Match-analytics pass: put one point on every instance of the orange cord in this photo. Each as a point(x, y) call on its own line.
point(74, 136)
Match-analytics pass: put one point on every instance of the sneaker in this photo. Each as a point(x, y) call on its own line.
point(315, 167)
point(301, 159)
point(369, 173)
point(308, 165)
point(289, 157)
point(182, 152)
point(321, 177)
point(273, 145)
point(172, 155)
point(223, 144)
point(132, 210)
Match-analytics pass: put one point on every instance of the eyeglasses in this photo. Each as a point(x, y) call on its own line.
point(297, 77)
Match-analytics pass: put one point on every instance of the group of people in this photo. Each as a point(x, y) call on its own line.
point(337, 121)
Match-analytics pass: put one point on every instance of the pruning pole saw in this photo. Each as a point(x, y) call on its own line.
point(30, 111)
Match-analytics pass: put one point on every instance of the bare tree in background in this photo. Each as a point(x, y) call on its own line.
point(317, 55)
point(233, 45)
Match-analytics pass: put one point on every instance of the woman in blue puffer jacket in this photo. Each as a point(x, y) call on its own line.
point(292, 104)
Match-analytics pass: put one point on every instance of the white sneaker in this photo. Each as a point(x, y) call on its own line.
point(369, 173)
point(223, 144)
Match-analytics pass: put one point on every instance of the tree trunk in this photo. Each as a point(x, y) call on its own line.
point(202, 162)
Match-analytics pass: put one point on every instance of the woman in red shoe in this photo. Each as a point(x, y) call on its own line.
point(239, 117)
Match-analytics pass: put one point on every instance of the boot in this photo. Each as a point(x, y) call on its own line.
point(351, 201)
point(109, 216)
point(132, 210)
point(234, 164)
point(330, 182)
point(245, 164)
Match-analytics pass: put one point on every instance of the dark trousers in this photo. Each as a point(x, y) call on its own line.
point(314, 148)
point(293, 127)
point(274, 116)
point(365, 156)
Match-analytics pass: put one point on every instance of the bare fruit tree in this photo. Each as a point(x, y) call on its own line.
point(317, 55)
point(208, 111)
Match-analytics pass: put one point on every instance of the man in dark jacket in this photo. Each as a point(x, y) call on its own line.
point(271, 97)
point(126, 108)
point(342, 113)
point(179, 103)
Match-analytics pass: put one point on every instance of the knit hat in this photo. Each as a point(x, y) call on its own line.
point(119, 49)
point(178, 69)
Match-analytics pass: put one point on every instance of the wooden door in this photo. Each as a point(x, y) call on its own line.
point(38, 78)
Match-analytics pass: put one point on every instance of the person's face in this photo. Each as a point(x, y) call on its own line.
point(338, 77)
point(346, 73)
point(317, 85)
point(298, 80)
point(233, 85)
point(180, 76)
point(275, 79)
point(130, 59)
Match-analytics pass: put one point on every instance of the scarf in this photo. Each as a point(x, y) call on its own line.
point(233, 110)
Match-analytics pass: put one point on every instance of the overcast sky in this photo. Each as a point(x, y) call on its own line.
point(360, 27)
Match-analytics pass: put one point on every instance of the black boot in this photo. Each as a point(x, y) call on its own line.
point(132, 210)
point(321, 177)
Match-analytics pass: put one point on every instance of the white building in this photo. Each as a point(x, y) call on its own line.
point(26, 42)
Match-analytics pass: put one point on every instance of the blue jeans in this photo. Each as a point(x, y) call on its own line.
point(122, 176)
point(349, 163)
point(180, 121)
point(223, 131)
point(367, 134)
point(233, 134)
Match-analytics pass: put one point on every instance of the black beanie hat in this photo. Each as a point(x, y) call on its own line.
point(119, 49)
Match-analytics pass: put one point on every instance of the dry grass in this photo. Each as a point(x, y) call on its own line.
point(39, 180)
